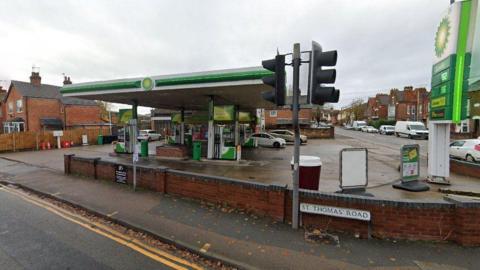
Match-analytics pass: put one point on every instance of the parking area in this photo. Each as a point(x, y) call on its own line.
point(270, 165)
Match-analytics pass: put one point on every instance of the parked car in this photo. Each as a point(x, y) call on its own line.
point(466, 149)
point(287, 135)
point(411, 129)
point(386, 130)
point(369, 129)
point(268, 140)
point(149, 135)
point(357, 125)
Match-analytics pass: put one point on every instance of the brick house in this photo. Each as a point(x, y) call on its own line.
point(283, 117)
point(3, 94)
point(377, 107)
point(408, 105)
point(33, 106)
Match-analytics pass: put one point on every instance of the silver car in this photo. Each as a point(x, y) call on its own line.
point(287, 135)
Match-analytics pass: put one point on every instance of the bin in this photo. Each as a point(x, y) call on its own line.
point(197, 150)
point(309, 172)
point(144, 148)
point(100, 139)
point(188, 140)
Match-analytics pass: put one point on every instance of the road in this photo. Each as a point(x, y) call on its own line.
point(34, 235)
point(388, 141)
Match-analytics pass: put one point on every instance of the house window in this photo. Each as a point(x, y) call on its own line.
point(273, 113)
point(10, 107)
point(19, 106)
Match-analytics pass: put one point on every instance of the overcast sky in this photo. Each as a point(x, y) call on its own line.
point(381, 44)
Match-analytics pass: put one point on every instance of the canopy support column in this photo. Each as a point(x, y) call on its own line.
point(135, 109)
point(211, 135)
point(237, 126)
point(182, 126)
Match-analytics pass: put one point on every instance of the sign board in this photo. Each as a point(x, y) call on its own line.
point(120, 174)
point(335, 211)
point(353, 168)
point(223, 113)
point(57, 133)
point(410, 162)
point(124, 115)
point(451, 64)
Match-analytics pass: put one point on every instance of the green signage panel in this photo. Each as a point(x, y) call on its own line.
point(410, 168)
point(223, 113)
point(124, 115)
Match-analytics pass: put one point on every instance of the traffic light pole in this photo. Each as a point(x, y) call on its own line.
point(296, 152)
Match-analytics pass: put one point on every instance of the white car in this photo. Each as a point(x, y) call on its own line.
point(357, 125)
point(148, 135)
point(287, 135)
point(369, 129)
point(387, 130)
point(466, 149)
point(268, 140)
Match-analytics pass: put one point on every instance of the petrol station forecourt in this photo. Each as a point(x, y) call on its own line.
point(237, 91)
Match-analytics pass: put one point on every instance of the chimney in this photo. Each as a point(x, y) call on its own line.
point(66, 80)
point(35, 78)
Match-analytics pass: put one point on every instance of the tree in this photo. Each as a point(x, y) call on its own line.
point(358, 108)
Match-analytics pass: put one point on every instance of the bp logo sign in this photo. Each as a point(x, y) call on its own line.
point(442, 37)
point(147, 84)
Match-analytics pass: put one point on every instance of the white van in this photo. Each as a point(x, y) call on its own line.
point(411, 129)
point(357, 125)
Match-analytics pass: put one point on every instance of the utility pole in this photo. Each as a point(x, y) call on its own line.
point(296, 152)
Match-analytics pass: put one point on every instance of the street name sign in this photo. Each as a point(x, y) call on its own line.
point(120, 174)
point(335, 211)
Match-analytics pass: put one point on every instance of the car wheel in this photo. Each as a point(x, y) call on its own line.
point(276, 144)
point(410, 136)
point(396, 134)
point(470, 158)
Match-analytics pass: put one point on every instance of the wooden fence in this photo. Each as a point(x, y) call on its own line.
point(31, 140)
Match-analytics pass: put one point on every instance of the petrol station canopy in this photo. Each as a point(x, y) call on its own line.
point(190, 91)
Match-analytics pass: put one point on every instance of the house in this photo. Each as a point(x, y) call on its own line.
point(377, 107)
point(408, 105)
point(33, 106)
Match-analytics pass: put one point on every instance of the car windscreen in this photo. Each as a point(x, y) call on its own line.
point(417, 127)
point(390, 128)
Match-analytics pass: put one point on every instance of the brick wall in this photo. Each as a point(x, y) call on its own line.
point(465, 168)
point(75, 114)
point(318, 133)
point(41, 108)
point(271, 121)
point(437, 221)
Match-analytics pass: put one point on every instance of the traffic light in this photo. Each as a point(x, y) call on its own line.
point(319, 94)
point(276, 80)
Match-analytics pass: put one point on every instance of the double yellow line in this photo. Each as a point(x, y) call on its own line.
point(156, 254)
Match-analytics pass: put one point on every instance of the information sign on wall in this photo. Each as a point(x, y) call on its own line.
point(120, 174)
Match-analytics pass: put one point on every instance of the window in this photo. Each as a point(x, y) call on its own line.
point(19, 106)
point(10, 107)
point(458, 143)
point(273, 113)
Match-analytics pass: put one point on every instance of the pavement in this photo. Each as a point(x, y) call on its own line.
point(31, 237)
point(269, 165)
point(233, 235)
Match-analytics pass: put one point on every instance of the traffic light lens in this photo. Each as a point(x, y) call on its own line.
point(326, 76)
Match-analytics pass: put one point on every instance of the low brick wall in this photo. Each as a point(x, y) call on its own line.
point(318, 133)
point(176, 151)
point(465, 168)
point(400, 219)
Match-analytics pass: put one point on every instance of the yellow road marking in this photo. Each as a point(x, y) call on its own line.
point(113, 213)
point(114, 235)
point(205, 247)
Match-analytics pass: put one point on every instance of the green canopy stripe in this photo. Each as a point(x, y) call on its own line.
point(209, 78)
